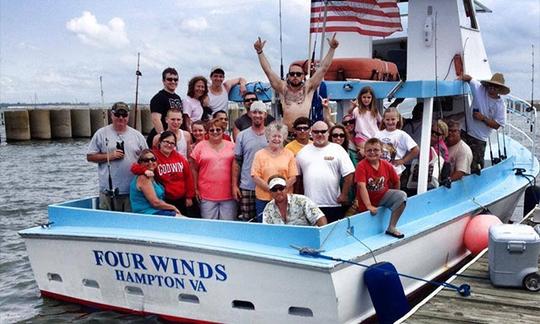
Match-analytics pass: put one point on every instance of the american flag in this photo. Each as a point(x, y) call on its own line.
point(367, 17)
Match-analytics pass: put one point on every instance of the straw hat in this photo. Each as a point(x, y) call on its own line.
point(497, 80)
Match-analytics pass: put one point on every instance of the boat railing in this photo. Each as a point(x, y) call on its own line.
point(521, 114)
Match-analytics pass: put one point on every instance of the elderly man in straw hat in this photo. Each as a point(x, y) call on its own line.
point(488, 113)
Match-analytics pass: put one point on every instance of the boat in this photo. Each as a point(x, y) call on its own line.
point(209, 271)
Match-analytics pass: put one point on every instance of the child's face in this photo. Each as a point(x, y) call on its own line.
point(366, 99)
point(372, 152)
point(390, 120)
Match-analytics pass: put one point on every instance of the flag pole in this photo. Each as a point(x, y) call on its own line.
point(323, 30)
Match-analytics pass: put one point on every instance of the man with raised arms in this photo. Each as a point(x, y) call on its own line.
point(295, 92)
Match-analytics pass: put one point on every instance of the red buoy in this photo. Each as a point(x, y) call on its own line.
point(476, 237)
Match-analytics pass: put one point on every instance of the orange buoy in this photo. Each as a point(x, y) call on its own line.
point(476, 236)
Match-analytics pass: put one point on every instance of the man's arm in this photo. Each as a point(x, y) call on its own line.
point(229, 84)
point(361, 188)
point(274, 79)
point(318, 76)
point(347, 182)
point(102, 157)
point(156, 121)
point(235, 175)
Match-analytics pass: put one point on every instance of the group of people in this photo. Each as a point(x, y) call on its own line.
point(293, 171)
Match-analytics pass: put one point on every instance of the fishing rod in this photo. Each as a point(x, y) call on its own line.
point(138, 74)
point(101, 91)
point(111, 192)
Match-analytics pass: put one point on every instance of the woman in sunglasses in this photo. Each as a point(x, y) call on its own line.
point(145, 194)
point(211, 163)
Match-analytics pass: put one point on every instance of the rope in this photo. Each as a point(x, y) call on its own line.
point(463, 290)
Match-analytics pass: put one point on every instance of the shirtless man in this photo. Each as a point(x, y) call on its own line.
point(295, 92)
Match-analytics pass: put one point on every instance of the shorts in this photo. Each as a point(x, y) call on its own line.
point(393, 198)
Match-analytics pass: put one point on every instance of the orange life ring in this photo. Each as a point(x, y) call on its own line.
point(358, 68)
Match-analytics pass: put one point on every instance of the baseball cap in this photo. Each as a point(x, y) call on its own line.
point(119, 106)
point(217, 69)
point(258, 106)
point(277, 182)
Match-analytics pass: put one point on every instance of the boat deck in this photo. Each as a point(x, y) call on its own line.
point(486, 304)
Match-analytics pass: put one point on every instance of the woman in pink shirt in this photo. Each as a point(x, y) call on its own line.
point(211, 162)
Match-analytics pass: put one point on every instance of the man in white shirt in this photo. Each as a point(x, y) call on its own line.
point(322, 165)
point(486, 113)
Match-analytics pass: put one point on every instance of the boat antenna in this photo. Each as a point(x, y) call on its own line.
point(138, 74)
point(281, 43)
point(532, 77)
point(101, 91)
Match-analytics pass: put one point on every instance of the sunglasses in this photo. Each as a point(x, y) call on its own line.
point(168, 142)
point(250, 99)
point(214, 130)
point(302, 128)
point(119, 114)
point(436, 133)
point(296, 74)
point(277, 188)
point(146, 160)
point(340, 135)
point(320, 132)
point(348, 122)
point(172, 79)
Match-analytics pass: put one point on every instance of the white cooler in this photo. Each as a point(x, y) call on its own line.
point(513, 255)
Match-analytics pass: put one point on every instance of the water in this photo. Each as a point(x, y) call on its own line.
point(36, 174)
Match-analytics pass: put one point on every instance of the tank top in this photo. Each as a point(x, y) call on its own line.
point(219, 102)
point(181, 144)
point(139, 203)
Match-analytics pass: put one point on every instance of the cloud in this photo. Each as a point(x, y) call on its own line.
point(90, 32)
point(194, 24)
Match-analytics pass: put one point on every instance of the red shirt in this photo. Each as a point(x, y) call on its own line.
point(377, 181)
point(173, 173)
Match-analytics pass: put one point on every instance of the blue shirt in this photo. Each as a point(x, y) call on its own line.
point(139, 203)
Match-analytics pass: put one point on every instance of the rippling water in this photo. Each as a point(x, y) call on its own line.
point(34, 175)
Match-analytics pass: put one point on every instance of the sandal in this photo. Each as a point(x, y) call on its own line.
point(394, 234)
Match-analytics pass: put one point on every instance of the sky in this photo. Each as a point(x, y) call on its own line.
point(55, 51)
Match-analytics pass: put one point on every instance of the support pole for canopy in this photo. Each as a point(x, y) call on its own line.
point(425, 144)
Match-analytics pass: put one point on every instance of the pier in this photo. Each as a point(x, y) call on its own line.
point(61, 122)
point(486, 304)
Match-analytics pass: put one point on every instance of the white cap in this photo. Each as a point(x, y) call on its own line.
point(277, 182)
point(258, 106)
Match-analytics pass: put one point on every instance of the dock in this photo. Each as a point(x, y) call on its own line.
point(486, 304)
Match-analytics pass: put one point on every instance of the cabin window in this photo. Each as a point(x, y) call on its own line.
point(54, 277)
point(187, 298)
point(90, 283)
point(300, 311)
point(134, 291)
point(470, 13)
point(243, 304)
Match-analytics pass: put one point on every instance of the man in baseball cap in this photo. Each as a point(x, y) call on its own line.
point(486, 114)
point(291, 209)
